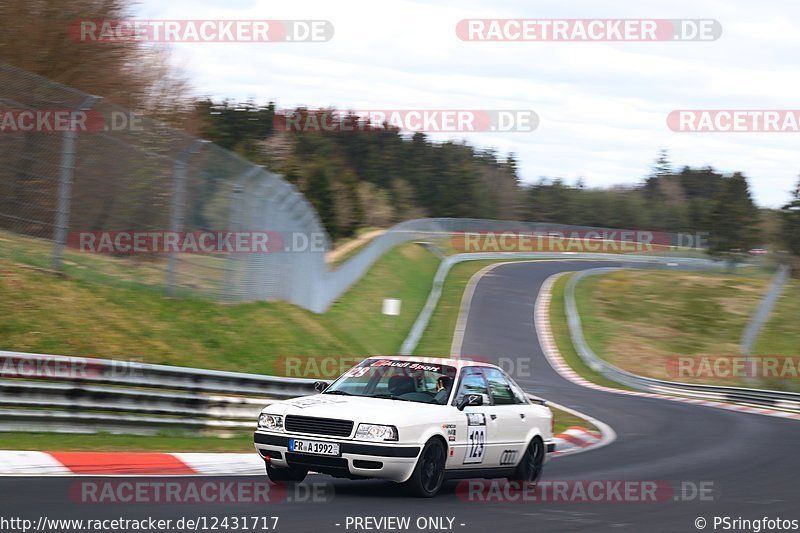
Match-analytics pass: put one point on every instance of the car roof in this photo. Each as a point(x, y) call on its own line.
point(458, 363)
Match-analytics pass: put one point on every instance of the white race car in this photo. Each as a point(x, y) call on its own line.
point(409, 420)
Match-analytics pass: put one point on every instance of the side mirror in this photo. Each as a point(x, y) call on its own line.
point(320, 386)
point(469, 400)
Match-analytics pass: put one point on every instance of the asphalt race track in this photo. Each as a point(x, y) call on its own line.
point(750, 463)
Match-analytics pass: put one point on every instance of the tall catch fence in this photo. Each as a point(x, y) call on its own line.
point(108, 169)
point(113, 173)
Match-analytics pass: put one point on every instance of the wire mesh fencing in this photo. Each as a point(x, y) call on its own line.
point(100, 193)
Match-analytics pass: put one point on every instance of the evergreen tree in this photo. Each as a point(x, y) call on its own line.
point(662, 166)
point(734, 218)
point(791, 223)
point(319, 192)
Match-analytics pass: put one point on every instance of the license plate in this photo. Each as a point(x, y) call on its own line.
point(313, 446)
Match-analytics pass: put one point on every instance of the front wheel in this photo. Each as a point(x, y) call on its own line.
point(428, 475)
point(529, 469)
point(286, 475)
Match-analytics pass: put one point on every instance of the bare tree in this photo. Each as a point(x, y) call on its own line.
point(40, 36)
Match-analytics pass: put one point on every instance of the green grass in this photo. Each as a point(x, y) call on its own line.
point(197, 274)
point(781, 333)
point(642, 321)
point(406, 273)
point(43, 313)
point(438, 337)
point(104, 442)
point(565, 420)
point(46, 313)
point(560, 329)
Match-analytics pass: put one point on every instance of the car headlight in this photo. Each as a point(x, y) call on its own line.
point(274, 422)
point(376, 432)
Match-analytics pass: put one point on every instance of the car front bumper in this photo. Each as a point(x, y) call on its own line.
point(356, 459)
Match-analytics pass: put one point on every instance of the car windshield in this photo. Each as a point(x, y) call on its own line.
point(412, 381)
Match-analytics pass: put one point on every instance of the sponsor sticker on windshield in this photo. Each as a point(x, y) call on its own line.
point(411, 365)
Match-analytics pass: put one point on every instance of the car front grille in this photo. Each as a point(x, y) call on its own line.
point(319, 426)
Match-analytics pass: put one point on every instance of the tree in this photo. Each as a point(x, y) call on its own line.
point(319, 192)
point(40, 36)
point(662, 166)
point(734, 218)
point(791, 223)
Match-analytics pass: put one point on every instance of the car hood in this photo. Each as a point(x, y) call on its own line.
point(358, 409)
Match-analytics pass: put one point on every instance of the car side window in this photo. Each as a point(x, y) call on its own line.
point(519, 394)
point(472, 382)
point(499, 387)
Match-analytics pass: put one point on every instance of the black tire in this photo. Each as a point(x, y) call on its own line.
point(529, 469)
point(428, 475)
point(286, 475)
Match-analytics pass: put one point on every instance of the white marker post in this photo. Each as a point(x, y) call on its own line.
point(391, 307)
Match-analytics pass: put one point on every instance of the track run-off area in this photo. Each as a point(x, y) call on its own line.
point(681, 464)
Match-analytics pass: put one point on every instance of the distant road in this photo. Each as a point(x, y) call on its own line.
point(751, 460)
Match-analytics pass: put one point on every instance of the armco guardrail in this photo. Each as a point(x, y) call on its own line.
point(336, 282)
point(75, 394)
point(651, 261)
point(764, 309)
point(788, 401)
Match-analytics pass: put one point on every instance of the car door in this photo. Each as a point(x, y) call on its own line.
point(476, 428)
point(510, 417)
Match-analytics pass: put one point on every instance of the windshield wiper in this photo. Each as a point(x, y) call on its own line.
point(339, 392)
point(389, 397)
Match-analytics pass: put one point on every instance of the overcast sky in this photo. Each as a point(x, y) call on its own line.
point(602, 106)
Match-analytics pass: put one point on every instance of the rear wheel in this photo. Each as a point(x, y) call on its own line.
point(428, 475)
point(286, 475)
point(529, 469)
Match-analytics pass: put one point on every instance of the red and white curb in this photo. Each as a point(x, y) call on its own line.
point(25, 463)
point(576, 439)
point(573, 440)
point(542, 322)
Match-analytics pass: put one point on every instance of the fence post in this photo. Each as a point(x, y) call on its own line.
point(178, 205)
point(65, 187)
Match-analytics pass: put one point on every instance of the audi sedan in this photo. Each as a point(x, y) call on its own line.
point(410, 420)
